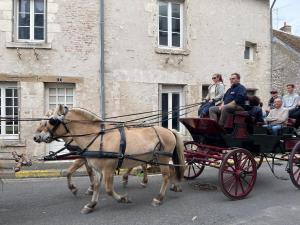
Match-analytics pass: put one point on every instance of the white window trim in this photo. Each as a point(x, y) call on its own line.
point(170, 27)
point(174, 90)
point(60, 85)
point(16, 37)
point(3, 105)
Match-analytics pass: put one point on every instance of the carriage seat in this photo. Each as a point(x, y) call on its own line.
point(291, 122)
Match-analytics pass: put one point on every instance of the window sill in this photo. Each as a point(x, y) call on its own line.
point(29, 45)
point(170, 51)
point(12, 143)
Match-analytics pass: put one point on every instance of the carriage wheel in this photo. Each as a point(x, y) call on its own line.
point(259, 160)
point(237, 174)
point(193, 169)
point(294, 165)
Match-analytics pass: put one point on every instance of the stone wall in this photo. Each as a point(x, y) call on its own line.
point(286, 66)
point(71, 54)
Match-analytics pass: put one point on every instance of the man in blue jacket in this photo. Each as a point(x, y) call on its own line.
point(233, 100)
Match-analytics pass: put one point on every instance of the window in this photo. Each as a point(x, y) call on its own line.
point(9, 107)
point(251, 91)
point(60, 94)
point(30, 20)
point(171, 101)
point(250, 49)
point(170, 24)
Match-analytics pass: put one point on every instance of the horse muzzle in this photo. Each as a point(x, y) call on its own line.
point(43, 138)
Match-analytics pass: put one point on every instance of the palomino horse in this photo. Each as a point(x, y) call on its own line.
point(103, 145)
point(82, 161)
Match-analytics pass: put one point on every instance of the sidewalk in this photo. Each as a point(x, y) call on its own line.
point(41, 169)
point(54, 169)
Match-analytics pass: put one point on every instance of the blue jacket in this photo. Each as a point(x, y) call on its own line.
point(236, 93)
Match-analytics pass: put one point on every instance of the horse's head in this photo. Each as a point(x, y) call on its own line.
point(52, 128)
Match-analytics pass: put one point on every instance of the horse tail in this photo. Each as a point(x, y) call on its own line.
point(178, 156)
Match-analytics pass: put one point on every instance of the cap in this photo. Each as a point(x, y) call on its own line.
point(273, 91)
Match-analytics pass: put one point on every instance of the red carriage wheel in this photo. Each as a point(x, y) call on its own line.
point(294, 165)
point(193, 168)
point(237, 174)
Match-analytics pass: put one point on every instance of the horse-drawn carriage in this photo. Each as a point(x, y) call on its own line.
point(238, 151)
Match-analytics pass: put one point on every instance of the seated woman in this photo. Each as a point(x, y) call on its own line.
point(255, 110)
point(214, 97)
point(277, 117)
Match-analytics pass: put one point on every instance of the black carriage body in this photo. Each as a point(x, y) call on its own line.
point(208, 132)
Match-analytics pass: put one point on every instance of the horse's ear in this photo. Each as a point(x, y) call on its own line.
point(66, 110)
point(50, 113)
point(60, 109)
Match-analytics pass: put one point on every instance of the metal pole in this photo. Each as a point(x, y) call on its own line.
point(101, 72)
point(271, 39)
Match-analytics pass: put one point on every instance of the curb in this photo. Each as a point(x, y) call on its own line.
point(43, 173)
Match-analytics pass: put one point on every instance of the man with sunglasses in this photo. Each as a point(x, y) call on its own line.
point(274, 95)
point(233, 100)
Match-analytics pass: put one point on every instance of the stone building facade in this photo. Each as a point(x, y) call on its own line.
point(159, 54)
point(285, 60)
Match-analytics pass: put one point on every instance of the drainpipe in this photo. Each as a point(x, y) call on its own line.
point(101, 72)
point(271, 37)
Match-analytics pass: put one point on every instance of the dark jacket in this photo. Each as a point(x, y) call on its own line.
point(256, 113)
point(236, 93)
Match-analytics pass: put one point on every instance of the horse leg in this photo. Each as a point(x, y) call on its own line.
point(71, 170)
point(91, 176)
point(109, 187)
point(166, 178)
point(174, 181)
point(125, 177)
point(145, 177)
point(96, 191)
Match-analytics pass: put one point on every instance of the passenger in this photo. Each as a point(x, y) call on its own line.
point(233, 100)
point(264, 113)
point(277, 117)
point(214, 97)
point(274, 95)
point(295, 114)
point(290, 99)
point(255, 110)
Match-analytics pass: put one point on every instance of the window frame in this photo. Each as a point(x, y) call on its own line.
point(169, 19)
point(252, 50)
point(173, 89)
point(3, 87)
point(56, 86)
point(31, 26)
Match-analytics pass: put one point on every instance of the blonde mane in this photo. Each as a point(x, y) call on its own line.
point(86, 113)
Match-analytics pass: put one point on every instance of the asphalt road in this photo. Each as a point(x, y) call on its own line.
point(48, 201)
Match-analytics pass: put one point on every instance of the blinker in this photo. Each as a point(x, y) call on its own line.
point(54, 121)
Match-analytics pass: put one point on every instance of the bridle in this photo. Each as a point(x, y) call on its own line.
point(56, 121)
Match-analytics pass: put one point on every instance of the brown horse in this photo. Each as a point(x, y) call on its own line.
point(82, 161)
point(148, 144)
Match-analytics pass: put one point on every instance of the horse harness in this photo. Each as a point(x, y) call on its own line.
point(76, 150)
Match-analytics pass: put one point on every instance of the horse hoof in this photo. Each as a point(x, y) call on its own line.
point(156, 202)
point(74, 191)
point(143, 184)
point(86, 210)
point(89, 192)
point(124, 199)
point(175, 189)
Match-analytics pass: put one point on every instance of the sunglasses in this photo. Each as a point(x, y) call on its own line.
point(214, 78)
point(272, 92)
point(232, 78)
